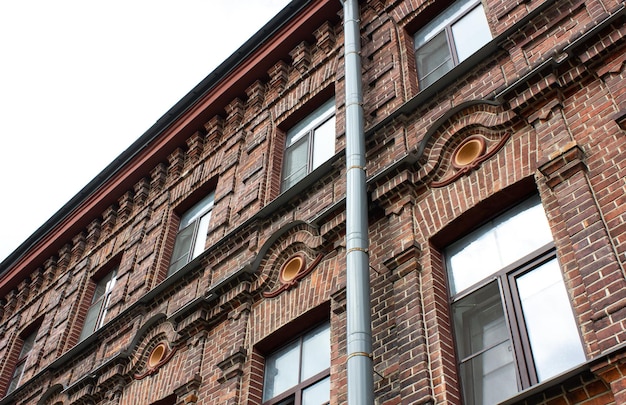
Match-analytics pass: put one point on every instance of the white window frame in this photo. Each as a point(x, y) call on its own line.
point(192, 233)
point(96, 314)
point(309, 134)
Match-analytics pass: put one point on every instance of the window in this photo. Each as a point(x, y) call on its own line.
point(449, 39)
point(192, 233)
point(309, 144)
point(513, 321)
point(27, 346)
point(99, 304)
point(299, 372)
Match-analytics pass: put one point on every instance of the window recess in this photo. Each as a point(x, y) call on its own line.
point(309, 144)
point(449, 39)
point(513, 321)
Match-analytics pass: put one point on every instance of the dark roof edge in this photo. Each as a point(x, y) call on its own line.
point(182, 106)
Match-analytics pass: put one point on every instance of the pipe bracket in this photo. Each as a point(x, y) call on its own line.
point(363, 354)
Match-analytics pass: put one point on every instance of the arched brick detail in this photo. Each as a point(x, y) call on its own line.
point(294, 238)
point(156, 330)
point(487, 120)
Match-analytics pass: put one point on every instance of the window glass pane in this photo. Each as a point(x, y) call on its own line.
point(479, 321)
point(182, 248)
point(433, 60)
point(550, 323)
point(317, 394)
point(197, 210)
point(281, 370)
point(522, 230)
point(484, 346)
point(16, 377)
point(324, 142)
point(315, 352)
point(201, 236)
point(313, 120)
point(27, 346)
point(101, 288)
point(513, 235)
point(295, 166)
point(470, 33)
point(91, 320)
point(104, 311)
point(441, 21)
point(490, 377)
point(472, 259)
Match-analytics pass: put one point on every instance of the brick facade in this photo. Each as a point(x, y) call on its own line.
point(547, 98)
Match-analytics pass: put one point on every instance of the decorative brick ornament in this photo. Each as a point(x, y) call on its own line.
point(158, 356)
point(468, 156)
point(291, 272)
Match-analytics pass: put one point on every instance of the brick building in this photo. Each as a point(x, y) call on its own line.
point(206, 264)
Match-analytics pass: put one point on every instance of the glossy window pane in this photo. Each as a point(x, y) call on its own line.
point(472, 259)
point(197, 210)
point(281, 370)
point(470, 33)
point(324, 142)
point(484, 346)
point(17, 376)
point(317, 394)
point(318, 130)
point(444, 19)
point(550, 323)
point(521, 231)
point(28, 344)
point(201, 235)
point(433, 60)
point(309, 123)
point(479, 321)
point(490, 377)
point(315, 352)
point(182, 248)
point(513, 235)
point(296, 163)
point(91, 320)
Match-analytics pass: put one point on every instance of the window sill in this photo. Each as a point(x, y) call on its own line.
point(549, 383)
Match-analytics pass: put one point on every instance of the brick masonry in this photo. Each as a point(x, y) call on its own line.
point(549, 100)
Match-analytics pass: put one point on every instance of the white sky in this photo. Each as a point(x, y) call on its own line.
point(80, 80)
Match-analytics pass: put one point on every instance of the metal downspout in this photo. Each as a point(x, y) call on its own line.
point(359, 331)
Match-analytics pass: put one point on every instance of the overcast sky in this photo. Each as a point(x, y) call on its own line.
point(80, 80)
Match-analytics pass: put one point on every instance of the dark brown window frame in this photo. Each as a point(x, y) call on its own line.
point(506, 278)
point(513, 311)
point(295, 392)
